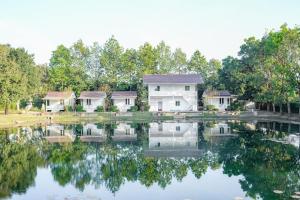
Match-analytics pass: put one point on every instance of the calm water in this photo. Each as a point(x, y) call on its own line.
point(166, 160)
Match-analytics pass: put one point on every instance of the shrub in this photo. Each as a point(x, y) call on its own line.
point(79, 108)
point(114, 109)
point(133, 109)
point(211, 108)
point(99, 109)
point(237, 106)
point(69, 108)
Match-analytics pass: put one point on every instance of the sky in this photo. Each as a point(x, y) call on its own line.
point(216, 28)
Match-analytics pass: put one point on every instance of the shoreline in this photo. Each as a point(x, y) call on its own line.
point(34, 118)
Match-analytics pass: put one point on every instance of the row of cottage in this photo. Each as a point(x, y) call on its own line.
point(166, 93)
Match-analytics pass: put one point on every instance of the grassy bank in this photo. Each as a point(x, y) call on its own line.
point(15, 119)
point(26, 119)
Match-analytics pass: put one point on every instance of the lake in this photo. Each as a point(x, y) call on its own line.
point(178, 160)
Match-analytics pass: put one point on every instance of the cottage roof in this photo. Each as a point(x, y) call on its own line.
point(125, 94)
point(58, 95)
point(173, 78)
point(92, 95)
point(216, 93)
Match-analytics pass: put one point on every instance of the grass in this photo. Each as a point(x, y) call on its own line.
point(21, 119)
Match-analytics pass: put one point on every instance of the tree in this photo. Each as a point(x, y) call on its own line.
point(198, 64)
point(179, 62)
point(12, 81)
point(147, 60)
point(164, 58)
point(110, 60)
point(66, 72)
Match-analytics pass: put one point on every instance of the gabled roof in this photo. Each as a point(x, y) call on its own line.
point(58, 95)
point(125, 94)
point(173, 78)
point(216, 93)
point(92, 95)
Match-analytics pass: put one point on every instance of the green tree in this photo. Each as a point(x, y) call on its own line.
point(179, 62)
point(12, 81)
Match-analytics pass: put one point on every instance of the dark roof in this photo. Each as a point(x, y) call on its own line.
point(217, 93)
point(92, 95)
point(120, 94)
point(58, 95)
point(173, 78)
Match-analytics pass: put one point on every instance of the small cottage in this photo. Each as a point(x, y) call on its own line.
point(90, 100)
point(219, 99)
point(59, 101)
point(124, 100)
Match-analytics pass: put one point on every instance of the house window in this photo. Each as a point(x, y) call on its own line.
point(62, 132)
point(89, 131)
point(177, 128)
point(157, 88)
point(177, 103)
point(222, 130)
point(62, 102)
point(221, 100)
point(127, 131)
point(88, 102)
point(127, 101)
point(187, 88)
point(47, 102)
point(228, 101)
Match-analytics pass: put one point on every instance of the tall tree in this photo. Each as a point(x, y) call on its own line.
point(164, 58)
point(147, 60)
point(12, 81)
point(179, 62)
point(110, 59)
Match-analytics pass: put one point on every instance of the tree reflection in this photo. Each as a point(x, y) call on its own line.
point(264, 164)
point(18, 164)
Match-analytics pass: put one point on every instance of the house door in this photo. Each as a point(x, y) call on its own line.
point(160, 104)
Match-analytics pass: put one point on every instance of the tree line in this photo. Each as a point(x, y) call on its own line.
point(266, 70)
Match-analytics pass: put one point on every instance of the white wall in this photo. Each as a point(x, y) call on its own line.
point(169, 94)
point(54, 105)
point(94, 104)
point(120, 103)
point(215, 101)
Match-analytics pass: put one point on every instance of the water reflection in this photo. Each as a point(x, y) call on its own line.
point(173, 139)
point(112, 155)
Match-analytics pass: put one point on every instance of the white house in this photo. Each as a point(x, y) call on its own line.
point(58, 101)
point(90, 100)
point(220, 99)
point(124, 100)
point(173, 92)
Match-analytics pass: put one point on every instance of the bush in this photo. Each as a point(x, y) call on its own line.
point(99, 109)
point(114, 109)
point(133, 109)
point(237, 106)
point(211, 108)
point(79, 108)
point(69, 108)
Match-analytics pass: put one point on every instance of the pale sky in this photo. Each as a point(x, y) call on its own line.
point(217, 28)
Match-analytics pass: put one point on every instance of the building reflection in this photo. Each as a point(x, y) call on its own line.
point(173, 139)
point(123, 132)
point(57, 133)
